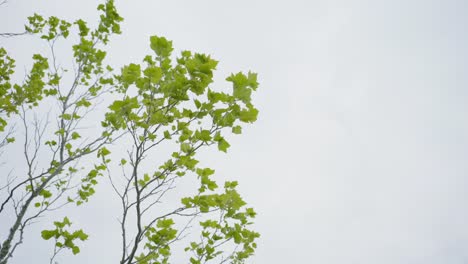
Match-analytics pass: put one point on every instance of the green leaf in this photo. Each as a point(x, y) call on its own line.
point(82, 27)
point(223, 145)
point(248, 116)
point(102, 152)
point(130, 73)
point(83, 102)
point(205, 172)
point(161, 46)
point(167, 135)
point(154, 74)
point(66, 117)
point(47, 234)
point(75, 135)
point(165, 223)
point(80, 234)
point(75, 250)
point(203, 135)
point(45, 193)
point(185, 147)
point(66, 221)
point(146, 177)
point(237, 130)
point(252, 80)
point(158, 118)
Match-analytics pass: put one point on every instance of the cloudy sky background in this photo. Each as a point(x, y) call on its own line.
point(360, 151)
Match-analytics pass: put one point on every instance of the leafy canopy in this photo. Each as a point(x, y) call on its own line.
point(163, 99)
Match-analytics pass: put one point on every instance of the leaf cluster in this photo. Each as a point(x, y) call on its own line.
point(65, 239)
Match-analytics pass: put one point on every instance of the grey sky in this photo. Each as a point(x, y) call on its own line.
point(360, 151)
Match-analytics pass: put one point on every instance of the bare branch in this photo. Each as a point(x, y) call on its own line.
point(9, 35)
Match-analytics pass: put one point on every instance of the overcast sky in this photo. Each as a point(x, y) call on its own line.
point(360, 151)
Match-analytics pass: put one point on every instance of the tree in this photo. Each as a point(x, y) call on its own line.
point(163, 105)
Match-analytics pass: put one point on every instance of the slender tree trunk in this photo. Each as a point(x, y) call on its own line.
point(5, 253)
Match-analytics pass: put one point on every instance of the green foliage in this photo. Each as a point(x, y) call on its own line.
point(161, 46)
point(49, 29)
point(43, 190)
point(170, 100)
point(12, 95)
point(65, 239)
point(232, 225)
point(158, 240)
point(163, 98)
